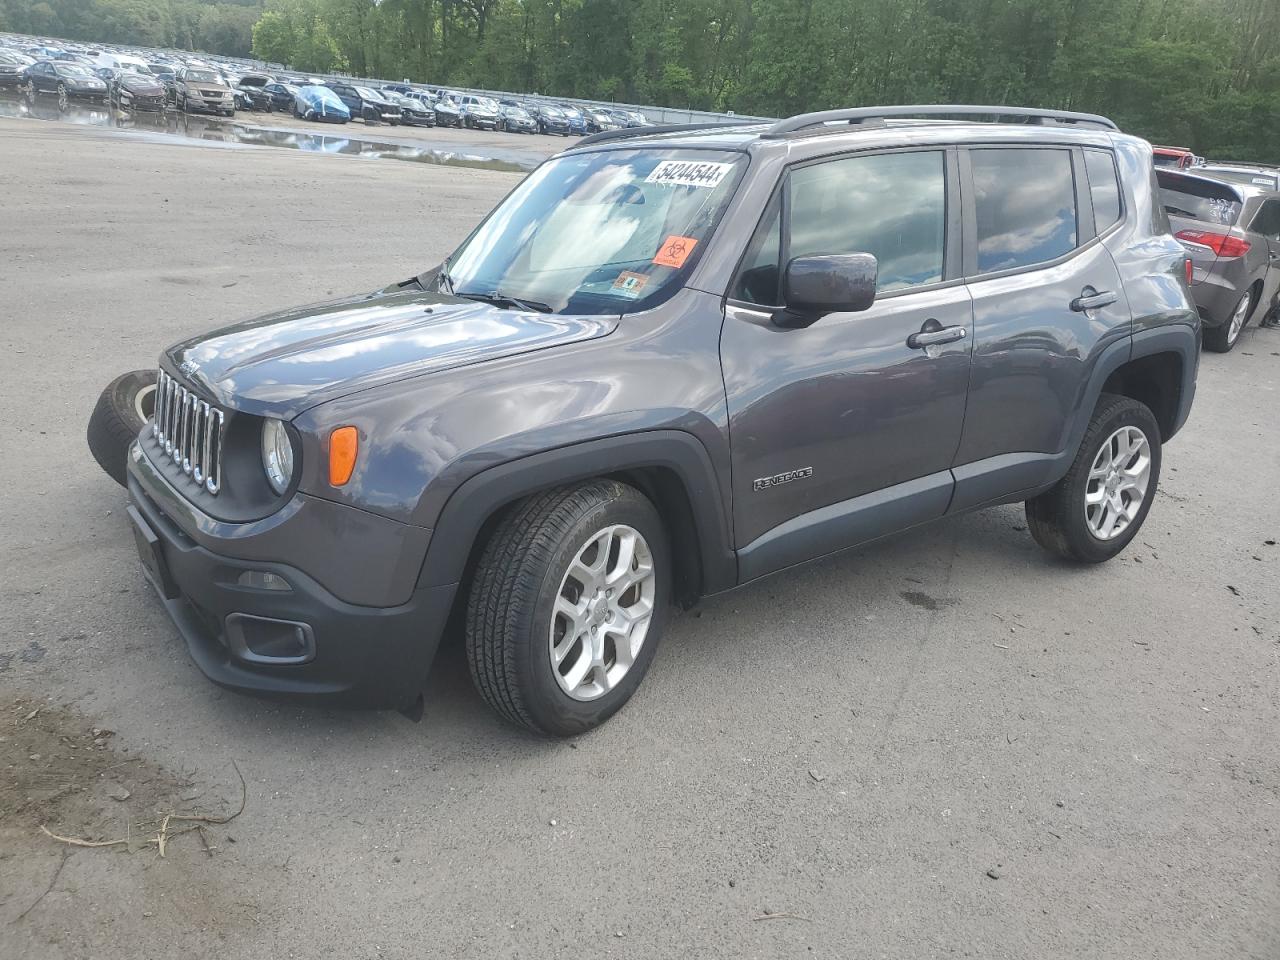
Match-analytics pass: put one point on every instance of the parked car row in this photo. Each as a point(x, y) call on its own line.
point(221, 86)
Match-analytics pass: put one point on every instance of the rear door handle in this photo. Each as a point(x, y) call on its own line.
point(1091, 299)
point(932, 337)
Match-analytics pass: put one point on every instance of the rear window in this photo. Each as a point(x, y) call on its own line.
point(1025, 201)
point(1195, 199)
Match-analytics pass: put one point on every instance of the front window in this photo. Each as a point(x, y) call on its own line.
point(607, 232)
point(839, 206)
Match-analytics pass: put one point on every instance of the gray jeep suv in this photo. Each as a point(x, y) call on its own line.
point(669, 363)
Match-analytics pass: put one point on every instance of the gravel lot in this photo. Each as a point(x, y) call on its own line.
point(945, 745)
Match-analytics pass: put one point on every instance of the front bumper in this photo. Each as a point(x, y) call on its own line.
point(354, 656)
point(136, 102)
point(199, 105)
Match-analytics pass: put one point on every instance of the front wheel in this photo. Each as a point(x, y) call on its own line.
point(1221, 339)
point(123, 409)
point(567, 606)
point(1093, 512)
point(64, 101)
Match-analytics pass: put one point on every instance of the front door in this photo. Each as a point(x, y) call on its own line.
point(845, 430)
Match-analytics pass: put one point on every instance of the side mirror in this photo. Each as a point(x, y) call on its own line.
point(812, 287)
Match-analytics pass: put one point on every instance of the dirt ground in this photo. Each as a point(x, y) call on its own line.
point(945, 745)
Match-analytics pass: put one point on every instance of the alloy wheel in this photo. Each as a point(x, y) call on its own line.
point(144, 402)
point(1238, 318)
point(602, 612)
point(1117, 484)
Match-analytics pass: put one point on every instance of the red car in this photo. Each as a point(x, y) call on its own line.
point(1178, 157)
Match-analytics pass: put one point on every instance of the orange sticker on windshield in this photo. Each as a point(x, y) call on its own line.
point(675, 251)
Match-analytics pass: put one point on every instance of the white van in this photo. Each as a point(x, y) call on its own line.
point(122, 61)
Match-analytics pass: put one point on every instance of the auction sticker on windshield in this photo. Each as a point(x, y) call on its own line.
point(687, 173)
point(630, 284)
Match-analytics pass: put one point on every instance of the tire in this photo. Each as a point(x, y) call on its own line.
point(1224, 337)
point(1059, 519)
point(513, 620)
point(121, 412)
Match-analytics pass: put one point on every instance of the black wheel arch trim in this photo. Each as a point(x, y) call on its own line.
point(1181, 339)
point(480, 497)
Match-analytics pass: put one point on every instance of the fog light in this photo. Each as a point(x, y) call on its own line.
point(267, 640)
point(262, 580)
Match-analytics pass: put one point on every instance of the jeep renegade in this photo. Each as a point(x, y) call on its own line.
point(669, 363)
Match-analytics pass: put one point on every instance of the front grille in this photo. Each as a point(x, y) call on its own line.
point(189, 431)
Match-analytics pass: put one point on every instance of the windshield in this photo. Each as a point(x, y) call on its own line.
point(604, 232)
point(71, 70)
point(201, 76)
point(367, 94)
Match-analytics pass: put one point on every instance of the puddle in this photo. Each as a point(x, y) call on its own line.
point(216, 131)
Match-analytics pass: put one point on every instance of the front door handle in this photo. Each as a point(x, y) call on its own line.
point(1091, 299)
point(933, 334)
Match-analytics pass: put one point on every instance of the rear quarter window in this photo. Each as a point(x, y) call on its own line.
point(1104, 187)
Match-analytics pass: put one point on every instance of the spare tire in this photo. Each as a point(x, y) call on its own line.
point(123, 409)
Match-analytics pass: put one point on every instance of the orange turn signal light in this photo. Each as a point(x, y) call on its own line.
point(344, 444)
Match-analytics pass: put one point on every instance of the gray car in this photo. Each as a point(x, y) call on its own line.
point(666, 366)
point(1229, 221)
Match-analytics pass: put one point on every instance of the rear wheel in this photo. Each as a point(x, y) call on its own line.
point(567, 606)
point(1093, 512)
point(123, 409)
point(1222, 338)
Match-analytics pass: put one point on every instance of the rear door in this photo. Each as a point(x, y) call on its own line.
point(1047, 300)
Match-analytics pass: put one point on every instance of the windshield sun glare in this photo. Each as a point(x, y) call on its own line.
point(603, 232)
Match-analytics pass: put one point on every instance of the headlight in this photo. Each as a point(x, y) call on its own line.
point(277, 455)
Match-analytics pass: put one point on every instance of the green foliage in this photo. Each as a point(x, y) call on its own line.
point(1200, 73)
point(222, 27)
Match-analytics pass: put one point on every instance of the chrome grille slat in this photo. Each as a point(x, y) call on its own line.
point(189, 431)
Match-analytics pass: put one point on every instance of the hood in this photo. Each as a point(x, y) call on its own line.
point(284, 363)
point(143, 85)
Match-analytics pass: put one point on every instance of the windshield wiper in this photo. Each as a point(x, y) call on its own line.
point(444, 282)
point(502, 300)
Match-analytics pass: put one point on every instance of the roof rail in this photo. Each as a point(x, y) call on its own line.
point(627, 132)
point(1245, 164)
point(854, 115)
